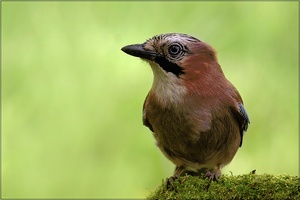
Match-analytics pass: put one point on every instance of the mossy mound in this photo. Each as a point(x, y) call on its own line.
point(250, 186)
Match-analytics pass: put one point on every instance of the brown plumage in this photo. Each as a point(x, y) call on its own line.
point(196, 115)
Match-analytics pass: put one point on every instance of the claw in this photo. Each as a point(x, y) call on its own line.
point(212, 176)
point(170, 183)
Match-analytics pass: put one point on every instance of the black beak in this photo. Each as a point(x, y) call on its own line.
point(138, 50)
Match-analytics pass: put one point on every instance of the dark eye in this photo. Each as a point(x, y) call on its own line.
point(174, 49)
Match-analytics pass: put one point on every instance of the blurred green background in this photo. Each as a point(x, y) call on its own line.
point(72, 100)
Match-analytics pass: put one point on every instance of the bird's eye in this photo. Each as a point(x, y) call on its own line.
point(174, 49)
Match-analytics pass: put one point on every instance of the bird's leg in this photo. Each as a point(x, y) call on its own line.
point(178, 171)
point(214, 175)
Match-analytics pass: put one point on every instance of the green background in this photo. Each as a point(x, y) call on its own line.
point(72, 100)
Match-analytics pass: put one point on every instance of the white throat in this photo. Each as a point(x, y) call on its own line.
point(166, 86)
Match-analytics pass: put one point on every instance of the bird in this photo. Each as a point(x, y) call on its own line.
point(196, 115)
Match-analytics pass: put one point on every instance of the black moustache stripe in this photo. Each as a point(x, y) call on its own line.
point(169, 66)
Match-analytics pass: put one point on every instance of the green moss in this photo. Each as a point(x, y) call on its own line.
point(249, 186)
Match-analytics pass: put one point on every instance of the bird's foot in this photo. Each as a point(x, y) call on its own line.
point(170, 182)
point(212, 176)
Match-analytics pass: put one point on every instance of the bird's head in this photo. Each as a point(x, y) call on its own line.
point(180, 64)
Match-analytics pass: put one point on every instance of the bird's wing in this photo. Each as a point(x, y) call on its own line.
point(145, 120)
point(244, 114)
point(242, 118)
